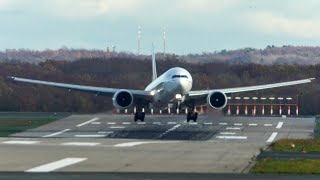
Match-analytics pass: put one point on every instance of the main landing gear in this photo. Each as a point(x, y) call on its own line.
point(139, 115)
point(192, 116)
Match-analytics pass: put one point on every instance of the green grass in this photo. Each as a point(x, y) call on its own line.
point(14, 125)
point(285, 145)
point(294, 166)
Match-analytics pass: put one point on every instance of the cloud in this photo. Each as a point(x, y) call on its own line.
point(276, 24)
point(206, 6)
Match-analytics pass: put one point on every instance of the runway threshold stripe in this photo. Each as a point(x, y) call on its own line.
point(20, 142)
point(272, 137)
point(232, 137)
point(279, 125)
point(80, 144)
point(88, 122)
point(56, 165)
point(57, 133)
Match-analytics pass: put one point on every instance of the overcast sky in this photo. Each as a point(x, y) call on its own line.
point(192, 26)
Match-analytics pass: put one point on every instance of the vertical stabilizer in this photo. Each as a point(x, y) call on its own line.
point(154, 66)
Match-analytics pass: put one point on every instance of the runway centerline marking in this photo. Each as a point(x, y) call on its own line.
point(232, 137)
point(253, 125)
point(207, 123)
point(57, 133)
point(267, 125)
point(56, 165)
point(279, 125)
point(169, 130)
point(272, 137)
point(157, 123)
point(89, 135)
point(223, 124)
point(233, 128)
point(111, 123)
point(88, 122)
point(126, 123)
point(237, 124)
point(80, 144)
point(140, 123)
point(21, 142)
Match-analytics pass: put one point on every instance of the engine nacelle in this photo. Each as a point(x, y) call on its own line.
point(217, 100)
point(122, 99)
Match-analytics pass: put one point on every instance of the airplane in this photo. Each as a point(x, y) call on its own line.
point(173, 86)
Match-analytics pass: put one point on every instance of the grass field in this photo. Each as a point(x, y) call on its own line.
point(14, 125)
point(290, 166)
point(296, 145)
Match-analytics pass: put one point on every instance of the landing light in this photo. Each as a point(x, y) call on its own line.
point(152, 93)
point(178, 96)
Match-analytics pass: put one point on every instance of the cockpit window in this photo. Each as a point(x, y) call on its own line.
point(179, 76)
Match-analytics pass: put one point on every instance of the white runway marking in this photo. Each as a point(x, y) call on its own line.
point(172, 122)
point(56, 165)
point(141, 123)
point(169, 130)
point(228, 133)
point(233, 128)
point(237, 124)
point(267, 125)
point(158, 123)
point(193, 123)
point(96, 123)
point(117, 127)
point(232, 137)
point(89, 135)
point(111, 123)
point(130, 144)
point(88, 122)
point(279, 125)
point(80, 144)
point(223, 124)
point(207, 123)
point(105, 132)
point(126, 123)
point(253, 125)
point(57, 133)
point(272, 137)
point(20, 142)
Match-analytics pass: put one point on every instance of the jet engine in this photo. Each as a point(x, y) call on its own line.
point(122, 99)
point(217, 100)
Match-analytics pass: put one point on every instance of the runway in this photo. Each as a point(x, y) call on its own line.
point(162, 144)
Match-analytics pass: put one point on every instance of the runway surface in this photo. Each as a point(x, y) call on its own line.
point(162, 144)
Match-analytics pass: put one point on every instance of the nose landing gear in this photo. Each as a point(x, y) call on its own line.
point(192, 116)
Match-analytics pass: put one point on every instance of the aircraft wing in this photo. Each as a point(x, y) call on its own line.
point(201, 93)
point(88, 89)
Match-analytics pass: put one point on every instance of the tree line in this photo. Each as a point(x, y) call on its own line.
point(135, 73)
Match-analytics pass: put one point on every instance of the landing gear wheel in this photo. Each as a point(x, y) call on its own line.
point(192, 116)
point(139, 116)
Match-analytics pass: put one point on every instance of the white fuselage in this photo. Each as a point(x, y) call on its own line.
point(171, 86)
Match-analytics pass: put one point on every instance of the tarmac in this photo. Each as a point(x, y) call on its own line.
point(107, 144)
